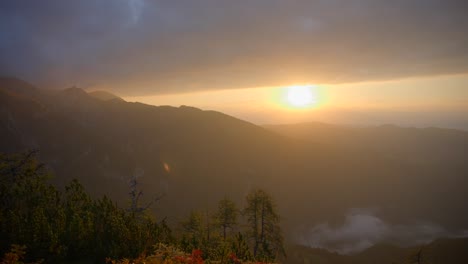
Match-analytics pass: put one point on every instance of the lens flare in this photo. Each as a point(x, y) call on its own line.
point(167, 168)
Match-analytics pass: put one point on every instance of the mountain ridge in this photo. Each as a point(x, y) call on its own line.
point(211, 155)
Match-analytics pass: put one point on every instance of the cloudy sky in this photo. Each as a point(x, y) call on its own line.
point(142, 48)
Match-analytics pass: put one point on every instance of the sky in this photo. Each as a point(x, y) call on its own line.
point(436, 101)
point(356, 55)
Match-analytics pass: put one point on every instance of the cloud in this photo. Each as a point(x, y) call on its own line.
point(363, 229)
point(139, 47)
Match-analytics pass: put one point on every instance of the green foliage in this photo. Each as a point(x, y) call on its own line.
point(226, 217)
point(16, 256)
point(79, 220)
point(240, 248)
point(60, 226)
point(263, 232)
point(264, 229)
point(165, 254)
point(197, 233)
point(31, 213)
point(57, 226)
point(194, 232)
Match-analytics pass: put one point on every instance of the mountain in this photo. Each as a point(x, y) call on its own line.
point(103, 143)
point(414, 144)
point(431, 161)
point(104, 95)
point(197, 157)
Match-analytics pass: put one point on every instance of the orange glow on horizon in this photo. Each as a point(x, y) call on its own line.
point(299, 97)
point(272, 104)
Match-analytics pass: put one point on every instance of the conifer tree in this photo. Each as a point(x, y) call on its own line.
point(226, 216)
point(264, 229)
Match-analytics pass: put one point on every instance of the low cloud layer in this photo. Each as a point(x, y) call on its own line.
point(138, 47)
point(362, 229)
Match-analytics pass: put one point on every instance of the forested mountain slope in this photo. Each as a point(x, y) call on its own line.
point(196, 157)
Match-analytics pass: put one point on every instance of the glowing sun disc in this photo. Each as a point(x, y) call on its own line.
point(300, 96)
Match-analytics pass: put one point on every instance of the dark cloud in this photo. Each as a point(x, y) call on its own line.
point(143, 46)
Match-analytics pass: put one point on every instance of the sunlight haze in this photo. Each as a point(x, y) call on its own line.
point(428, 101)
point(234, 131)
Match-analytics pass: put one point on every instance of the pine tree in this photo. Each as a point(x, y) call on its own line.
point(226, 217)
point(30, 211)
point(56, 226)
point(79, 220)
point(263, 221)
point(194, 231)
point(240, 248)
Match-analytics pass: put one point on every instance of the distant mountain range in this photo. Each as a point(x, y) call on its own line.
point(316, 172)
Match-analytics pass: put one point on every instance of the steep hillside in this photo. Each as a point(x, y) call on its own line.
point(196, 157)
point(201, 155)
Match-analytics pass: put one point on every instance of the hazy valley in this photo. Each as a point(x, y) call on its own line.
point(338, 187)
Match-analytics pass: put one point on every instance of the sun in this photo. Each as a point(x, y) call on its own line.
point(301, 96)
